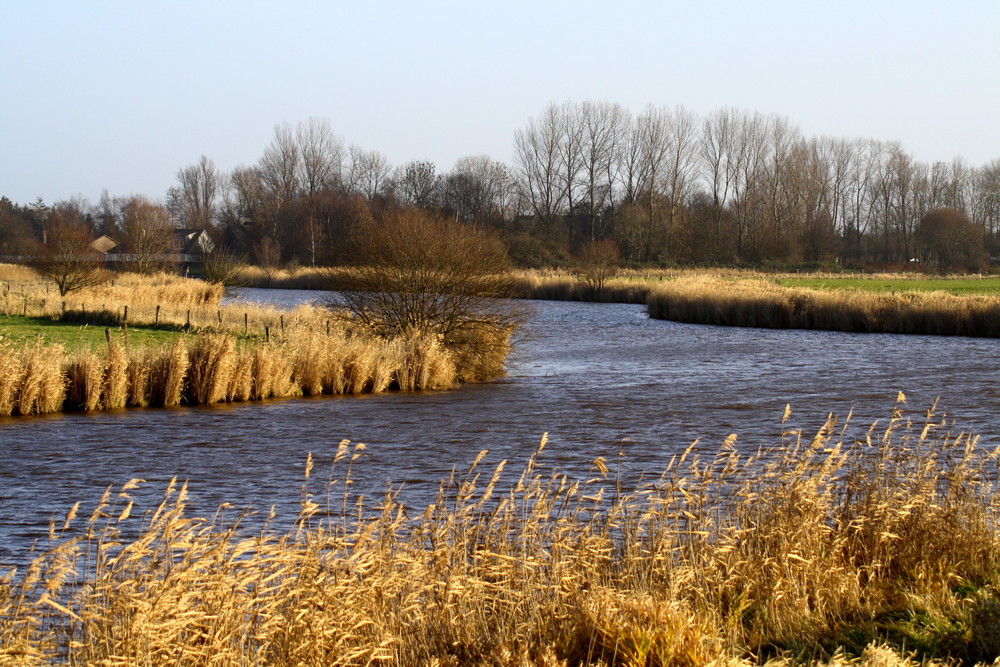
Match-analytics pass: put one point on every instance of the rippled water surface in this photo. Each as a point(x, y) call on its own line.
point(590, 375)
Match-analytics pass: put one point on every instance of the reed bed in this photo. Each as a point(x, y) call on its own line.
point(215, 368)
point(565, 286)
point(303, 277)
point(160, 300)
point(883, 551)
point(168, 290)
point(759, 303)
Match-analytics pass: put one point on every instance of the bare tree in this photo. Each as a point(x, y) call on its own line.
point(66, 255)
point(948, 240)
point(192, 202)
point(571, 147)
point(540, 159)
point(679, 171)
point(321, 156)
point(146, 235)
point(651, 136)
point(598, 262)
point(367, 172)
point(478, 189)
point(279, 166)
point(223, 267)
point(603, 129)
point(267, 252)
point(417, 184)
point(985, 202)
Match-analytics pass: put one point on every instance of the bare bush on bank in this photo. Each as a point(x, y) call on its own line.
point(422, 275)
point(823, 550)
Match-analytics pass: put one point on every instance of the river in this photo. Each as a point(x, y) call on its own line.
point(592, 376)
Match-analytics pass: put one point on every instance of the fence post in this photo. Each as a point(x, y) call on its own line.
point(156, 321)
point(245, 324)
point(267, 334)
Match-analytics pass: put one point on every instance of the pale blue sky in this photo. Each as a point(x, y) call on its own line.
point(120, 95)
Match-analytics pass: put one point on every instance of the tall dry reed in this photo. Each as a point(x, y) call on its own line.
point(823, 550)
point(32, 381)
point(761, 303)
point(166, 375)
point(215, 367)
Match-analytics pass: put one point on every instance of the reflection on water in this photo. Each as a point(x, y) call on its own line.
point(590, 375)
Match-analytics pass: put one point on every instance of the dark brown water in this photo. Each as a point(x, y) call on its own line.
point(590, 375)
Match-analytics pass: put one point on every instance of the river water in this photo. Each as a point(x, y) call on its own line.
point(592, 376)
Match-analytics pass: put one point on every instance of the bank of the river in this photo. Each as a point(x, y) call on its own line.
point(821, 551)
point(163, 341)
point(567, 285)
point(761, 303)
point(716, 564)
point(900, 304)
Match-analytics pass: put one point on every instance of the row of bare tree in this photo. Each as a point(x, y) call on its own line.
point(665, 185)
point(736, 186)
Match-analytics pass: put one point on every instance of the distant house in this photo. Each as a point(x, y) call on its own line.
point(192, 242)
point(103, 244)
point(191, 246)
point(186, 251)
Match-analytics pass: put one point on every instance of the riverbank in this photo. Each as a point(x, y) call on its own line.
point(164, 341)
point(629, 285)
point(763, 304)
point(817, 551)
point(207, 368)
point(891, 303)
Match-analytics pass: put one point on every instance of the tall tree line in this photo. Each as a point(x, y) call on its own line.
point(665, 185)
point(736, 186)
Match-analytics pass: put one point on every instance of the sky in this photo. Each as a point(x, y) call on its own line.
point(119, 96)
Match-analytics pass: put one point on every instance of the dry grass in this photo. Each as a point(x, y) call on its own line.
point(31, 379)
point(210, 368)
point(303, 277)
point(761, 303)
point(878, 552)
point(555, 285)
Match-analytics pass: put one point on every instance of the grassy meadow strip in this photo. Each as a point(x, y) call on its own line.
point(822, 551)
point(761, 303)
point(958, 285)
point(73, 336)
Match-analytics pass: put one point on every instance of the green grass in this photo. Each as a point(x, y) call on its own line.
point(957, 286)
point(73, 336)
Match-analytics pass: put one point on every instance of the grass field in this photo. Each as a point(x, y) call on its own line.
point(74, 337)
point(957, 286)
